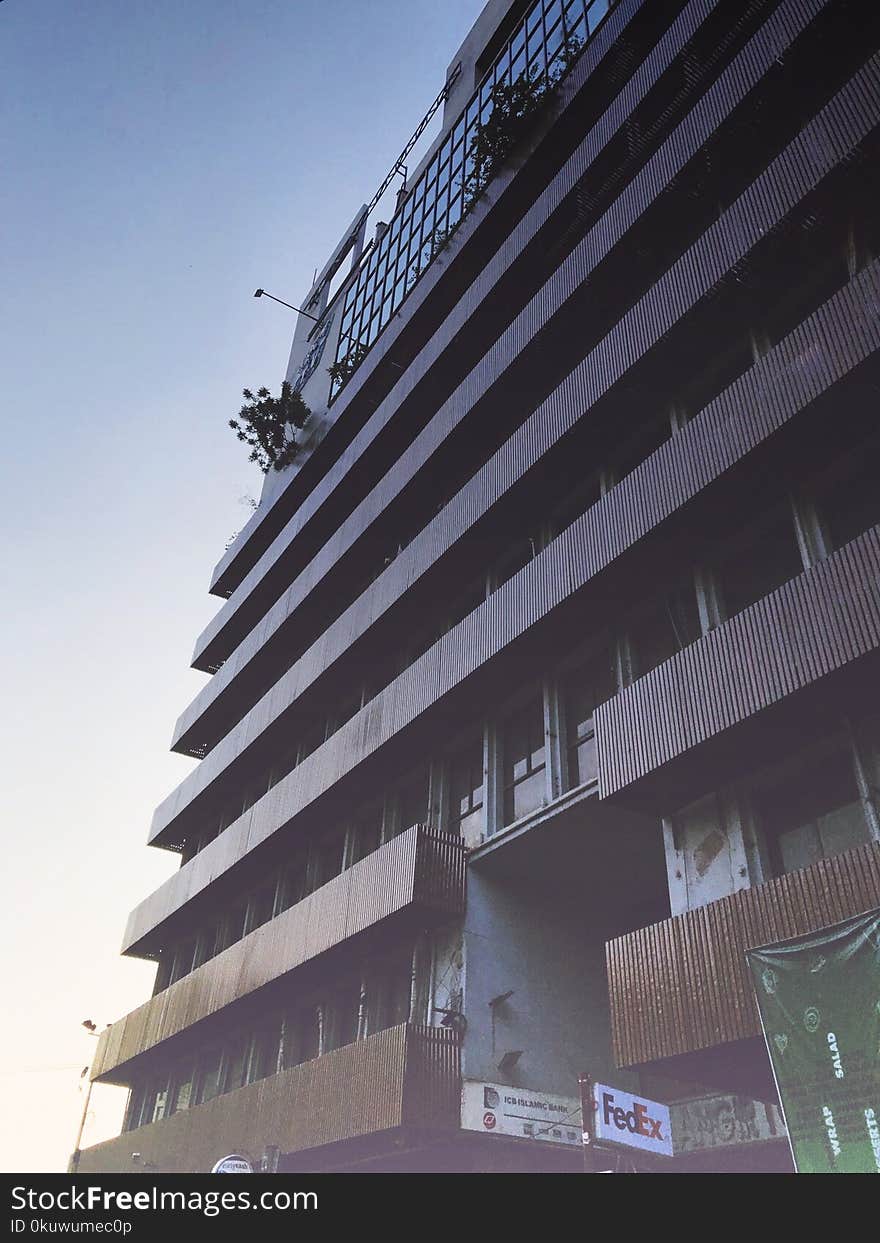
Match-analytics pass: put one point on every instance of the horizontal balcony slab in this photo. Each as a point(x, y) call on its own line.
point(666, 738)
point(538, 312)
point(543, 309)
point(704, 449)
point(404, 1076)
point(293, 508)
point(420, 869)
point(682, 986)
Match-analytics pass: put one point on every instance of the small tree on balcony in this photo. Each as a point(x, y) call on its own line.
point(264, 423)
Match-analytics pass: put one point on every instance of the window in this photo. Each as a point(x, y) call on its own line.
point(366, 834)
point(293, 882)
point(759, 559)
point(463, 605)
point(157, 1102)
point(209, 1076)
point(648, 438)
point(329, 856)
point(183, 1090)
point(812, 810)
point(585, 493)
point(300, 1041)
point(235, 923)
point(524, 759)
point(206, 943)
point(587, 687)
point(412, 801)
point(850, 504)
point(183, 961)
point(312, 739)
point(466, 791)
point(513, 560)
point(235, 1063)
point(261, 905)
point(342, 1016)
point(388, 990)
point(263, 1051)
point(661, 627)
point(135, 1108)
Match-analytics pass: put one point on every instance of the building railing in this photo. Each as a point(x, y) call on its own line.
point(812, 626)
point(682, 985)
point(437, 201)
point(407, 1075)
point(421, 867)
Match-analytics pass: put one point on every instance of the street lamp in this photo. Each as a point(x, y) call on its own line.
point(261, 293)
point(92, 1029)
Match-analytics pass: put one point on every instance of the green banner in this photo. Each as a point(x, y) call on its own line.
point(819, 1000)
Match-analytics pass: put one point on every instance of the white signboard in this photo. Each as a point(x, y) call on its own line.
point(235, 1163)
point(494, 1109)
point(724, 1122)
point(631, 1121)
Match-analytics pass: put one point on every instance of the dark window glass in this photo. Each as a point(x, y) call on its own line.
point(388, 990)
point(585, 493)
point(524, 758)
point(236, 1062)
point(183, 960)
point(469, 600)
point(293, 884)
point(261, 905)
point(311, 739)
point(209, 1076)
point(412, 801)
point(300, 1038)
point(587, 687)
point(367, 834)
point(760, 559)
point(663, 626)
point(205, 946)
point(812, 812)
point(134, 1112)
point(182, 1096)
point(519, 555)
point(466, 790)
point(647, 439)
point(263, 1056)
point(235, 924)
point(851, 503)
point(329, 857)
point(342, 1013)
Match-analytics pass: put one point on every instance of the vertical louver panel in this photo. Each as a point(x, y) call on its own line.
point(682, 985)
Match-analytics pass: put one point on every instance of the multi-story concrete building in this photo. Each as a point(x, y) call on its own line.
point(545, 679)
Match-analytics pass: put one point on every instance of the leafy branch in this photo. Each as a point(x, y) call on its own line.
point(263, 423)
point(344, 368)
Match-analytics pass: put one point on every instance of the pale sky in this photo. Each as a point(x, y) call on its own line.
point(159, 159)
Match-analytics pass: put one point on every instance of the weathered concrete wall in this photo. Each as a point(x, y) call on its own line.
point(515, 938)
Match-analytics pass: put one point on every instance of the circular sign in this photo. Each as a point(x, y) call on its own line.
point(235, 1163)
point(489, 1121)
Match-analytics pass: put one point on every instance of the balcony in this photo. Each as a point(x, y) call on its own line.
point(681, 986)
point(420, 871)
point(691, 723)
point(403, 1076)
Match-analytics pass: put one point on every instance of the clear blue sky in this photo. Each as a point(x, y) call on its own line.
point(159, 159)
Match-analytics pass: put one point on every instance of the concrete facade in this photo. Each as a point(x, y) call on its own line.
point(562, 631)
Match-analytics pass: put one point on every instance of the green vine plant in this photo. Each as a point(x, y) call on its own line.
point(514, 106)
point(344, 368)
point(263, 423)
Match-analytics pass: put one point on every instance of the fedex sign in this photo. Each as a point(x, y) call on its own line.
point(621, 1118)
